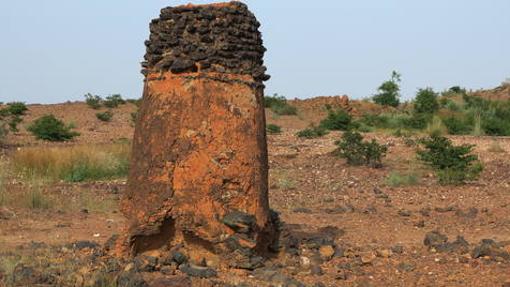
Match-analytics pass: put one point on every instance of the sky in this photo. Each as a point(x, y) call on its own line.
point(54, 51)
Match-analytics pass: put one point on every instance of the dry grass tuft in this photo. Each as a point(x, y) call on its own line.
point(73, 164)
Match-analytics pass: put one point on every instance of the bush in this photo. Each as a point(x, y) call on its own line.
point(51, 129)
point(453, 164)
point(339, 120)
point(312, 132)
point(417, 121)
point(105, 117)
point(273, 129)
point(426, 102)
point(279, 105)
point(93, 101)
point(389, 92)
point(359, 152)
point(17, 108)
point(495, 126)
point(457, 126)
point(114, 101)
point(13, 123)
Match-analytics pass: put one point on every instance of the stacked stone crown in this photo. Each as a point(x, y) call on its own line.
point(206, 38)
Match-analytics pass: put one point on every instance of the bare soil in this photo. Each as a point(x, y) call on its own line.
point(379, 230)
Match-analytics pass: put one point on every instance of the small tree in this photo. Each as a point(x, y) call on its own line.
point(389, 92)
point(114, 101)
point(105, 117)
point(17, 108)
point(279, 105)
point(312, 132)
point(339, 120)
point(273, 129)
point(453, 164)
point(93, 101)
point(426, 101)
point(359, 152)
point(51, 129)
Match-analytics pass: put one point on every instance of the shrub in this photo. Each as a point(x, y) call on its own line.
point(396, 179)
point(359, 152)
point(93, 101)
point(426, 102)
point(417, 121)
point(279, 105)
point(10, 117)
point(114, 101)
point(13, 123)
point(495, 126)
point(273, 129)
point(453, 164)
point(16, 108)
point(457, 90)
point(105, 117)
point(339, 120)
point(52, 129)
point(312, 132)
point(73, 164)
point(389, 92)
point(457, 126)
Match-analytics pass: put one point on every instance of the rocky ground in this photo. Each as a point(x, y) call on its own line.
point(341, 225)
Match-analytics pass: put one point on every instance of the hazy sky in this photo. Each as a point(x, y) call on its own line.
point(58, 50)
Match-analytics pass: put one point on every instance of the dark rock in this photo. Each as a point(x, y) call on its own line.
point(434, 238)
point(197, 271)
point(112, 265)
point(340, 209)
point(397, 249)
point(470, 213)
point(425, 212)
point(6, 214)
point(406, 267)
point(23, 275)
point(80, 245)
point(239, 221)
point(145, 263)
point(460, 245)
point(404, 213)
point(490, 248)
point(175, 281)
point(179, 258)
point(181, 66)
point(445, 209)
point(316, 270)
point(440, 243)
point(110, 243)
point(301, 210)
point(131, 279)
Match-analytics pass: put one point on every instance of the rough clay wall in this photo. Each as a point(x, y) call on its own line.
point(199, 173)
